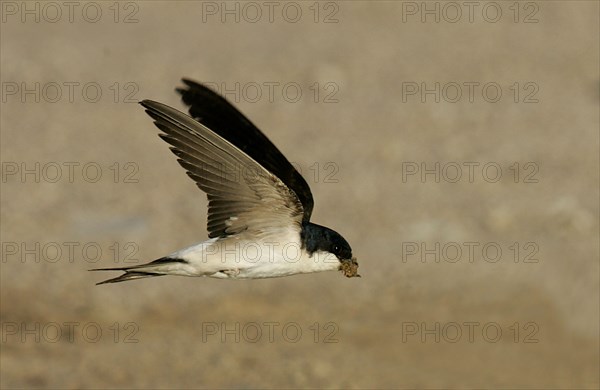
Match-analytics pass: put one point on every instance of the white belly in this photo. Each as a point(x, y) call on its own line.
point(236, 258)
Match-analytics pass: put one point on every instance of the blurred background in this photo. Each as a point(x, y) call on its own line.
point(454, 145)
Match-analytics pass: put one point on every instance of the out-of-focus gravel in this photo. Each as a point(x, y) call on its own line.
point(405, 323)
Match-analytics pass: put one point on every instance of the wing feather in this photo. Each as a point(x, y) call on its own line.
point(216, 113)
point(242, 194)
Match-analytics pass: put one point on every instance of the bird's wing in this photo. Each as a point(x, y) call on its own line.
point(216, 113)
point(243, 195)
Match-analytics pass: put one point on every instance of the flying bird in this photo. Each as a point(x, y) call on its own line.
point(259, 206)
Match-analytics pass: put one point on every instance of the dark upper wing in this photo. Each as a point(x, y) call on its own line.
point(243, 196)
point(216, 113)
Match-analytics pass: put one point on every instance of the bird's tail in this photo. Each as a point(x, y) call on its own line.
point(158, 267)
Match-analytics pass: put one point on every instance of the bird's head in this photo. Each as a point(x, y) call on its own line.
point(319, 238)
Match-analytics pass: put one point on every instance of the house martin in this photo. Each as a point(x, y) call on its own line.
point(259, 206)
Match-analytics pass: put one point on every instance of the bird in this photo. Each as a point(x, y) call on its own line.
point(259, 206)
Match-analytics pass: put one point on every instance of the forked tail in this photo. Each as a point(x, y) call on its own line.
point(158, 267)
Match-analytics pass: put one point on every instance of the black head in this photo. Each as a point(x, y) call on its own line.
point(320, 238)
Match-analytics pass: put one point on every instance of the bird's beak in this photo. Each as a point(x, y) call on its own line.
point(350, 268)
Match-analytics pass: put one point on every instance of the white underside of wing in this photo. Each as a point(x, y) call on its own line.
point(238, 257)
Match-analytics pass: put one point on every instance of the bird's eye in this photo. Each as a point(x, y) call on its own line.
point(336, 249)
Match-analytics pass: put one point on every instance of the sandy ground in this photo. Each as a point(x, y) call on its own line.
point(474, 217)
